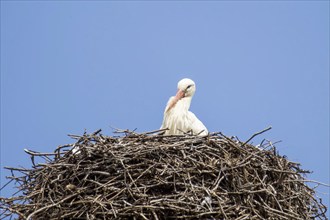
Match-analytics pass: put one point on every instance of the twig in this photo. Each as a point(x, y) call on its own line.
point(258, 133)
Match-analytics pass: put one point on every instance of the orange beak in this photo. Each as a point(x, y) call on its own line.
point(179, 95)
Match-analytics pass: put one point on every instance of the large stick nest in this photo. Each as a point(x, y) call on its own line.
point(150, 176)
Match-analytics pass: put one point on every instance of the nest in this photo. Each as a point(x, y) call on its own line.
point(150, 176)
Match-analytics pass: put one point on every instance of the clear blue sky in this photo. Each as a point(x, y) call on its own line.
point(70, 66)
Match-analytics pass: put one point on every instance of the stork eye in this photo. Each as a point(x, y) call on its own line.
point(189, 86)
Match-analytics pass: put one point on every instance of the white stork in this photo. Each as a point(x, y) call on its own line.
point(177, 117)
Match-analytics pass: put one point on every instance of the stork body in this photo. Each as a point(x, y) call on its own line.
point(177, 117)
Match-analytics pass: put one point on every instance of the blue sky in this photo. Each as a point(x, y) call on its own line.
point(70, 66)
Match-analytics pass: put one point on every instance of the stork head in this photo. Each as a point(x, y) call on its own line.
point(187, 87)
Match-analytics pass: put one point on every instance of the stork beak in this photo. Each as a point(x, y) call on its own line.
point(179, 95)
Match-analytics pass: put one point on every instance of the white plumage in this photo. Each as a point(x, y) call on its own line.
point(177, 117)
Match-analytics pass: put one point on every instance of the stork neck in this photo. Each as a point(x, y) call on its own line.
point(184, 103)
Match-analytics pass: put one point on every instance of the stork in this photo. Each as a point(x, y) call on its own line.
point(177, 117)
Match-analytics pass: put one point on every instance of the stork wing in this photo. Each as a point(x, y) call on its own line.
point(197, 127)
point(165, 119)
